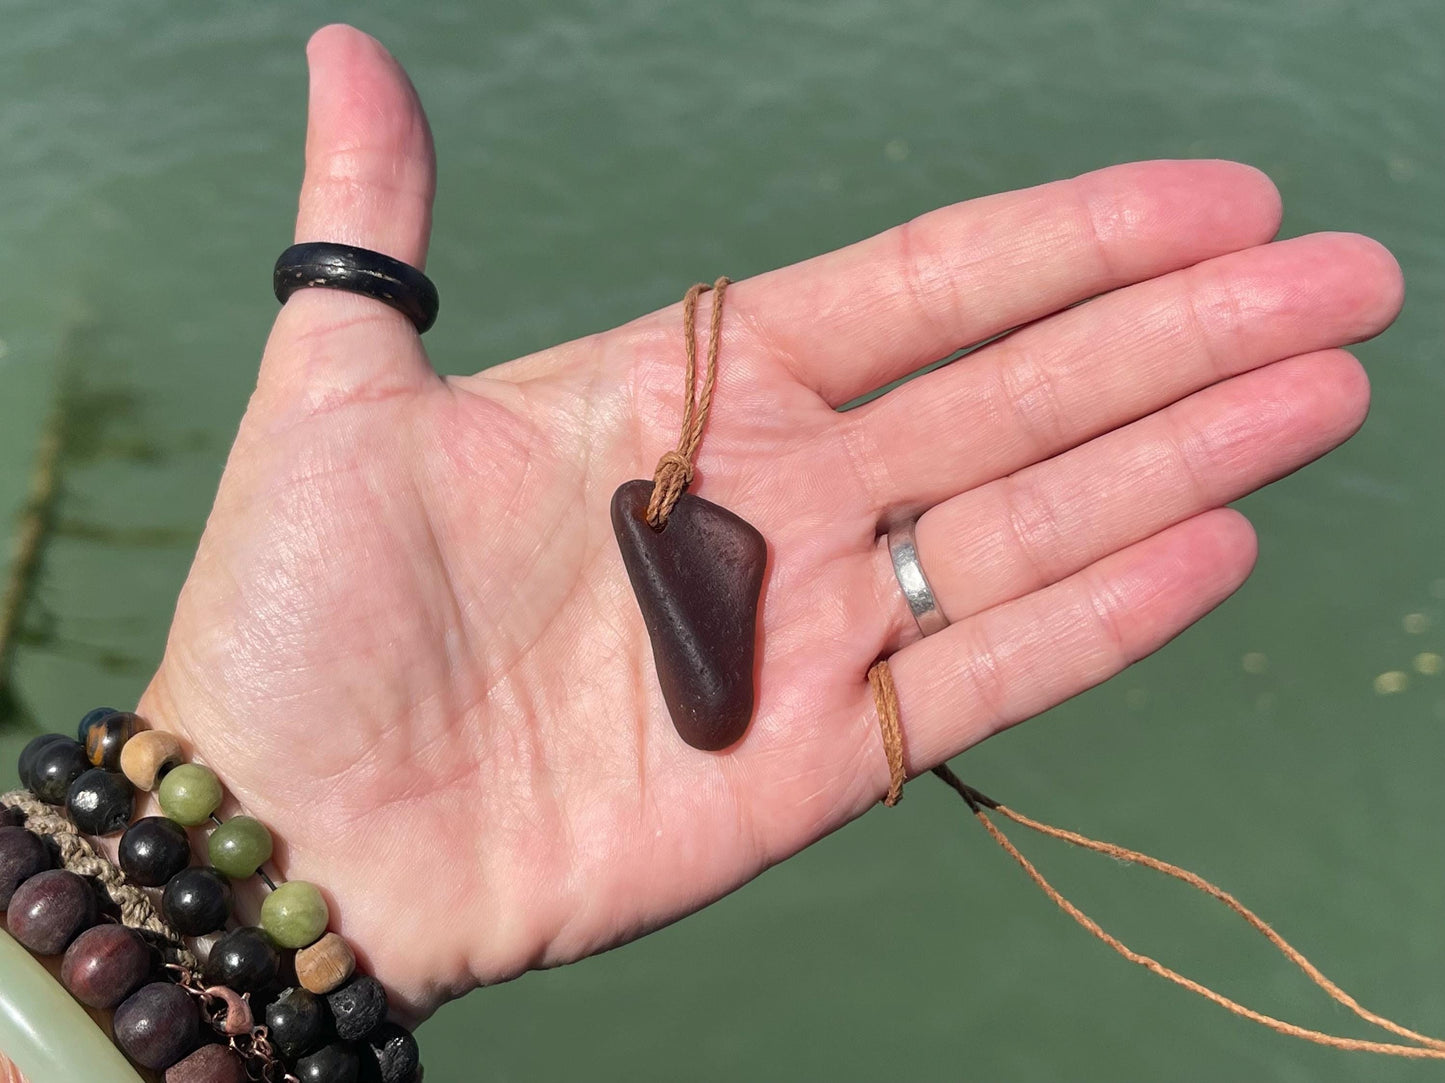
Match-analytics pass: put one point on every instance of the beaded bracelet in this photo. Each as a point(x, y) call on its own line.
point(328, 1025)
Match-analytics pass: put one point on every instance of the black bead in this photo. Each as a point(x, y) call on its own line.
point(56, 765)
point(153, 850)
point(99, 801)
point(395, 1051)
point(91, 716)
point(197, 901)
point(22, 855)
point(296, 1022)
point(334, 1063)
point(357, 1007)
point(157, 1025)
point(29, 752)
point(106, 736)
point(11, 816)
point(244, 960)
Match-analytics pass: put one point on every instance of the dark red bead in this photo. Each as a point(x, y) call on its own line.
point(22, 855)
point(99, 801)
point(106, 964)
point(51, 909)
point(154, 849)
point(208, 1064)
point(157, 1025)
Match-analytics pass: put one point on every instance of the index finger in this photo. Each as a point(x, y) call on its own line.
point(851, 321)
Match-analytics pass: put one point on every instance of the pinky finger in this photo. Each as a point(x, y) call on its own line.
point(1017, 660)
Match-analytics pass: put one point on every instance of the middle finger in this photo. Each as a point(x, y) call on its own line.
point(1056, 383)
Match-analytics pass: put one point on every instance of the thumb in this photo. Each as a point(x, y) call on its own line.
point(370, 178)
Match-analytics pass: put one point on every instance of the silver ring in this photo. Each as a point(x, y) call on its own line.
point(903, 548)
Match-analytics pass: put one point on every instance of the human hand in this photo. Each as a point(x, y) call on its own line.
point(408, 644)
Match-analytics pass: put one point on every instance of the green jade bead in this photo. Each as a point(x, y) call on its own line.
point(189, 794)
point(239, 847)
point(295, 914)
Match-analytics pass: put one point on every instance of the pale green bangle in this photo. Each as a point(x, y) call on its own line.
point(45, 1032)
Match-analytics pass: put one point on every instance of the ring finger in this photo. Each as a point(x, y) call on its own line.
point(1023, 532)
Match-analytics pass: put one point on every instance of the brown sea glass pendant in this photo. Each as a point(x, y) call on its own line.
point(697, 581)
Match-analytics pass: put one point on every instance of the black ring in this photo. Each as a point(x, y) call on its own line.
point(357, 270)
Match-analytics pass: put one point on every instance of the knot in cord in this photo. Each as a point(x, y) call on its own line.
point(675, 470)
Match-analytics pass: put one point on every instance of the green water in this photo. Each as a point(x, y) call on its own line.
point(594, 158)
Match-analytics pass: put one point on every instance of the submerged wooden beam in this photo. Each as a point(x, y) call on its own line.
point(37, 520)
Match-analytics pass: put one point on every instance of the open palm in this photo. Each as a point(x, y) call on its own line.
point(408, 643)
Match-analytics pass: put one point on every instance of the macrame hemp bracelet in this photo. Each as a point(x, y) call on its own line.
point(330, 1027)
point(79, 856)
point(885, 696)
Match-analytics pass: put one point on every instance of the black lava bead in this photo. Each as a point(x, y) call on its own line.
point(106, 735)
point(153, 850)
point(22, 855)
point(90, 717)
point(55, 766)
point(334, 1063)
point(11, 816)
point(357, 1007)
point(50, 910)
point(106, 964)
point(158, 1025)
point(395, 1051)
point(28, 754)
point(245, 960)
point(99, 801)
point(197, 901)
point(296, 1022)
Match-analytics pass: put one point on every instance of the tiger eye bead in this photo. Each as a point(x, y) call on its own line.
point(326, 964)
point(157, 1025)
point(189, 794)
point(51, 909)
point(148, 756)
point(197, 901)
point(55, 766)
point(239, 847)
point(105, 736)
point(295, 914)
point(95, 714)
point(22, 855)
point(243, 959)
point(105, 964)
point(100, 801)
point(154, 849)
